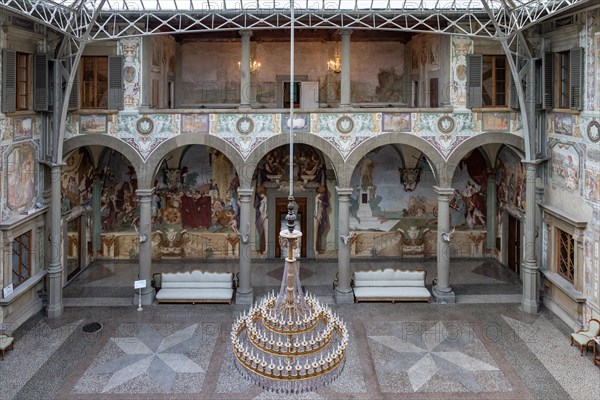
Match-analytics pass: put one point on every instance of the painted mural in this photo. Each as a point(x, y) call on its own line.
point(565, 167)
point(309, 175)
point(77, 180)
point(195, 207)
point(21, 172)
point(468, 206)
point(510, 180)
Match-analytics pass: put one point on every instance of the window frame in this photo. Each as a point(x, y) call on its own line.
point(494, 85)
point(563, 79)
point(95, 103)
point(565, 260)
point(22, 71)
point(18, 255)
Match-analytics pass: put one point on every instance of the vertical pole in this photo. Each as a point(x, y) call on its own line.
point(54, 308)
point(343, 291)
point(145, 231)
point(530, 303)
point(442, 291)
point(245, 69)
point(345, 74)
point(491, 222)
point(245, 293)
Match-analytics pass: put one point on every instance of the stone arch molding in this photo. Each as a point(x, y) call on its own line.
point(435, 159)
point(474, 142)
point(185, 139)
point(315, 141)
point(108, 142)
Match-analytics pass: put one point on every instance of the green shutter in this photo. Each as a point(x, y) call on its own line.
point(40, 82)
point(9, 80)
point(548, 83)
point(576, 78)
point(474, 80)
point(115, 82)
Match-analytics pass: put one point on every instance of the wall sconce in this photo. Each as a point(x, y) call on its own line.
point(254, 66)
point(447, 236)
point(141, 236)
point(245, 238)
point(335, 64)
point(346, 238)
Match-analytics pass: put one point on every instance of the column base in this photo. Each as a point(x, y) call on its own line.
point(244, 298)
point(344, 297)
point(147, 298)
point(443, 295)
point(530, 306)
point(54, 310)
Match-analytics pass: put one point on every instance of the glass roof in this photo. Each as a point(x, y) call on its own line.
point(301, 5)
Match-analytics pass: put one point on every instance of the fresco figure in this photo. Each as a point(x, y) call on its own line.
point(366, 172)
point(321, 217)
point(262, 218)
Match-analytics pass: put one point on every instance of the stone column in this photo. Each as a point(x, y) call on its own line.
point(343, 291)
point(54, 308)
point(96, 217)
point(245, 92)
point(145, 231)
point(146, 78)
point(442, 291)
point(245, 293)
point(490, 221)
point(530, 303)
point(345, 74)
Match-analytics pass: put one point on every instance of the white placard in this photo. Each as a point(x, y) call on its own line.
point(139, 284)
point(7, 291)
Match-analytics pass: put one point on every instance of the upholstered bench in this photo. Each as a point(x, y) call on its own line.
point(194, 287)
point(390, 285)
point(7, 342)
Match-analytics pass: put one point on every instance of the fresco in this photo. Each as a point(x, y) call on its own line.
point(563, 124)
point(21, 172)
point(468, 206)
point(309, 174)
point(77, 179)
point(195, 194)
point(565, 167)
point(510, 180)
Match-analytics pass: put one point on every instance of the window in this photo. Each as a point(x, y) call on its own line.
point(94, 82)
point(494, 81)
point(21, 258)
point(22, 81)
point(565, 255)
point(563, 70)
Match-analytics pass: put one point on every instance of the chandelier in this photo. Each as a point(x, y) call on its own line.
point(335, 64)
point(254, 66)
point(290, 342)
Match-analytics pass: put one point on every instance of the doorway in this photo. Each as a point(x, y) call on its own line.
point(281, 211)
point(73, 247)
point(514, 244)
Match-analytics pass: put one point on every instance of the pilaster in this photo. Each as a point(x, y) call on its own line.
point(442, 291)
point(145, 255)
point(245, 293)
point(343, 291)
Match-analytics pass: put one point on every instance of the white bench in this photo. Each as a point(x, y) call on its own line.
point(194, 287)
point(390, 285)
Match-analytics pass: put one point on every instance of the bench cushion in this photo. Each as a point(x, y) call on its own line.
point(196, 285)
point(391, 293)
point(389, 274)
point(196, 276)
point(5, 342)
point(166, 294)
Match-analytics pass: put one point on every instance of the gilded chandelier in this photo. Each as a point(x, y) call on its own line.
point(289, 342)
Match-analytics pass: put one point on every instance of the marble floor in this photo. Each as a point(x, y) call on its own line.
point(482, 347)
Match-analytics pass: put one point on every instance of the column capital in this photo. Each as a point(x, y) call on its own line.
point(444, 191)
point(145, 192)
point(245, 192)
point(344, 191)
point(345, 32)
point(534, 162)
point(245, 33)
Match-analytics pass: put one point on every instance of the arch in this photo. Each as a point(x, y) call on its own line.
point(185, 139)
point(108, 142)
point(431, 154)
point(477, 141)
point(315, 141)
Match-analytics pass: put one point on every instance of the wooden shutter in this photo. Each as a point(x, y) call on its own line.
point(9, 80)
point(513, 97)
point(74, 96)
point(548, 81)
point(576, 78)
point(474, 82)
point(115, 82)
point(40, 82)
